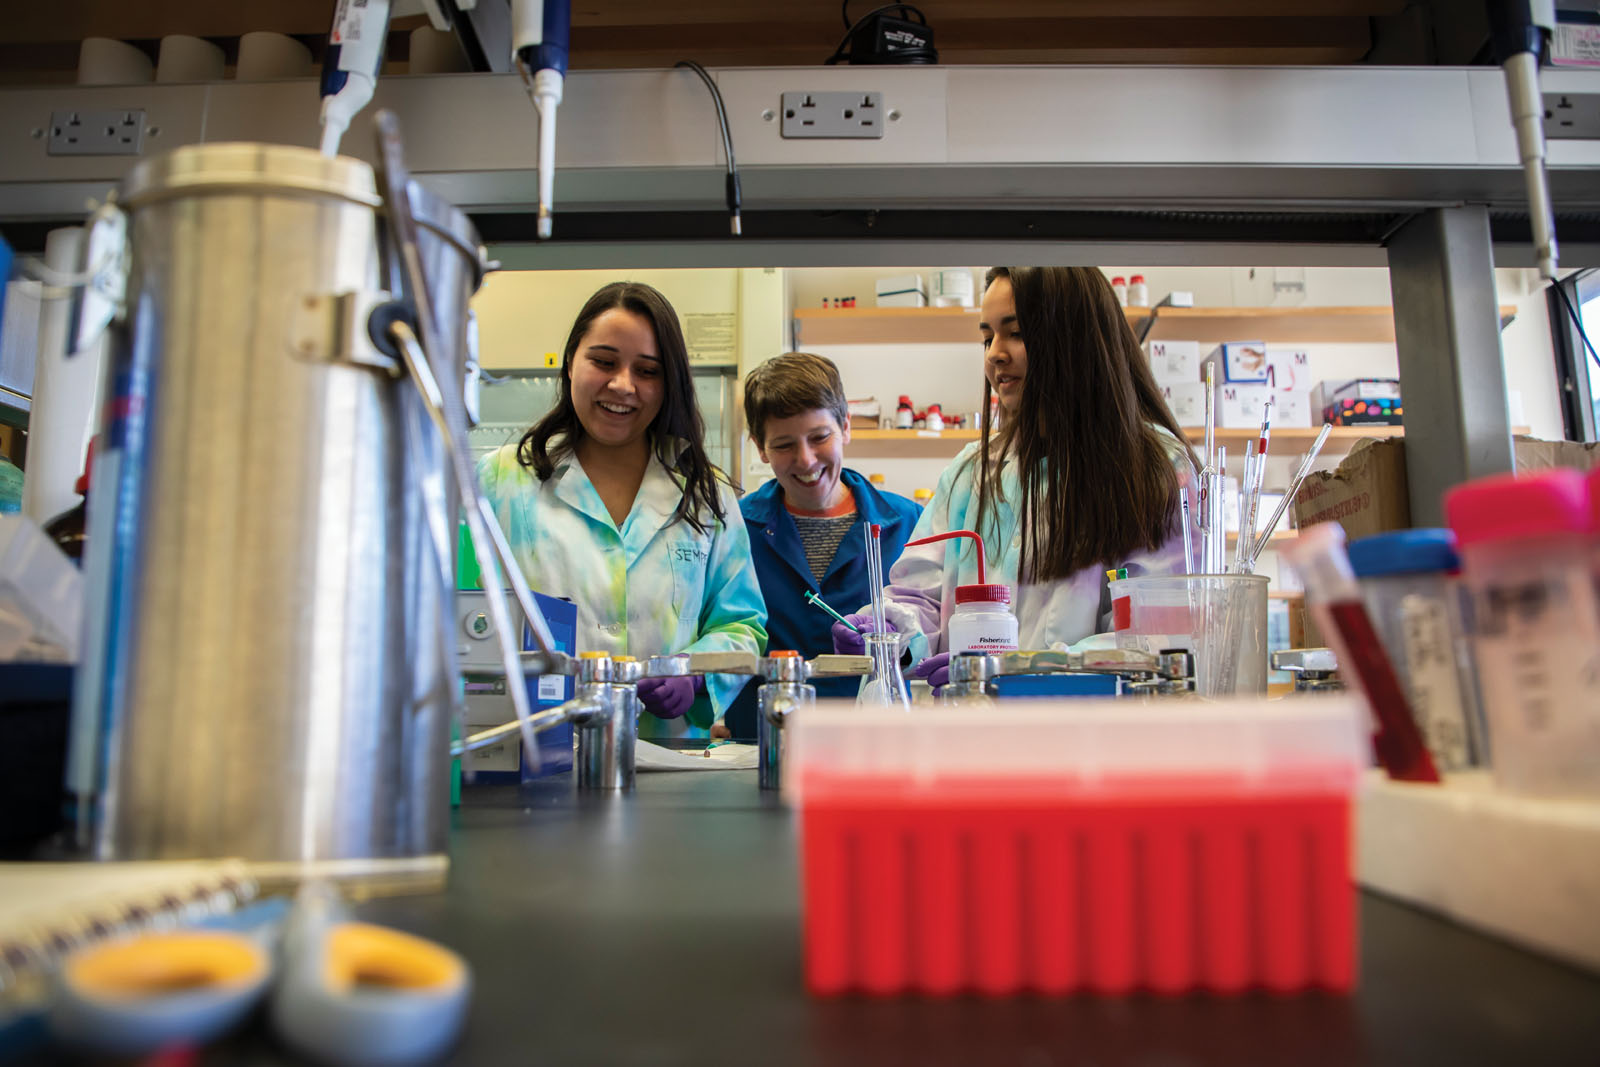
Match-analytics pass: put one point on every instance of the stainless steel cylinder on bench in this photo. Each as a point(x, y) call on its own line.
point(266, 645)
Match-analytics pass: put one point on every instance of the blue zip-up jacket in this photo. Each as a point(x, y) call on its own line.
point(785, 577)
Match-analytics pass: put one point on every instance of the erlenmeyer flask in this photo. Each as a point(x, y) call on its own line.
point(884, 687)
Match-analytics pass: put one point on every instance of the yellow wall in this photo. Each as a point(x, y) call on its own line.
point(523, 315)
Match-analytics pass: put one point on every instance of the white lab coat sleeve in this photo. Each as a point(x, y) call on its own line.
point(733, 615)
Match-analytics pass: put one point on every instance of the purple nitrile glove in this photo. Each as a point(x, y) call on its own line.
point(936, 669)
point(670, 698)
point(847, 642)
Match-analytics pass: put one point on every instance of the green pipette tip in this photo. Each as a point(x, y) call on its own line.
point(812, 598)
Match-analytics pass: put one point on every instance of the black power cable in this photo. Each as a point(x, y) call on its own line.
point(1577, 320)
point(926, 54)
point(731, 189)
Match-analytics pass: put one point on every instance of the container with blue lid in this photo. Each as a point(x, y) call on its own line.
point(1405, 552)
point(1407, 584)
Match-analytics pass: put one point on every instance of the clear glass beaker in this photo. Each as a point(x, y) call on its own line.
point(885, 687)
point(1221, 618)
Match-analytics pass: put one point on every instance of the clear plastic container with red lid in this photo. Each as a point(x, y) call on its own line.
point(1172, 846)
point(1534, 622)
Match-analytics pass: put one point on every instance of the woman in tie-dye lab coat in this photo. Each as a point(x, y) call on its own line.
point(611, 502)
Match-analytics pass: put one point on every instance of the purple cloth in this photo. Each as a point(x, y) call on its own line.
point(670, 698)
point(936, 669)
point(847, 642)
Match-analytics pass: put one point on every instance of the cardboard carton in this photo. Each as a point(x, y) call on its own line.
point(1366, 494)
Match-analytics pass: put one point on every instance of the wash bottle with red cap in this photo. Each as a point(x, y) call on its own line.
point(982, 620)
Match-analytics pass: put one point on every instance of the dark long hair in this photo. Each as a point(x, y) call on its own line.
point(678, 419)
point(1097, 480)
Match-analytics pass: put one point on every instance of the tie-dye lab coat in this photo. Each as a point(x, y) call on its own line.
point(651, 587)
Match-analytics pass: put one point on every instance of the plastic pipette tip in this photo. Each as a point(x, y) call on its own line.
point(546, 222)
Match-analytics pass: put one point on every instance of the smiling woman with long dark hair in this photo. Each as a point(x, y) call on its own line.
point(611, 502)
point(1081, 474)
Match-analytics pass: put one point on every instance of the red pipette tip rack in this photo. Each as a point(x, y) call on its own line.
point(1119, 849)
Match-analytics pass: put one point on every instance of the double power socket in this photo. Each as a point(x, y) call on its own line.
point(854, 115)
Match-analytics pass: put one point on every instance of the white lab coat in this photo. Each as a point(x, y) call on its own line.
point(921, 593)
point(650, 588)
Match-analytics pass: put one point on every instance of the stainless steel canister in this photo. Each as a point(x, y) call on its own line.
point(265, 654)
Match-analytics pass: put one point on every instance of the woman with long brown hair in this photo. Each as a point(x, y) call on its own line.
point(610, 501)
point(1081, 474)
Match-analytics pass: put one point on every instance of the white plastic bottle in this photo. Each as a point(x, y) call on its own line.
point(1119, 285)
point(934, 419)
point(1138, 293)
point(982, 621)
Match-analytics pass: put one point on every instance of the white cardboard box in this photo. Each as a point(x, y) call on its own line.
point(1292, 407)
point(1239, 361)
point(902, 291)
point(503, 756)
point(1174, 362)
point(1187, 401)
point(1239, 406)
point(1289, 368)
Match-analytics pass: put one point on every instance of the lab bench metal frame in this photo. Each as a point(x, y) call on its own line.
point(1414, 168)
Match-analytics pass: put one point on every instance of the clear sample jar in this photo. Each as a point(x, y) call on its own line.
point(1534, 621)
point(1408, 584)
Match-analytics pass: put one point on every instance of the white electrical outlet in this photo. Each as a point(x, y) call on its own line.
point(96, 133)
point(1571, 116)
point(833, 115)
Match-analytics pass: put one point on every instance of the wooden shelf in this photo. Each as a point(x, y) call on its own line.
point(895, 443)
point(910, 444)
point(1288, 325)
point(1207, 325)
point(1278, 537)
point(1291, 434)
point(900, 326)
point(913, 435)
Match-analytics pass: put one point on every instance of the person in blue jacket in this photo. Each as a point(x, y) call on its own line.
point(806, 523)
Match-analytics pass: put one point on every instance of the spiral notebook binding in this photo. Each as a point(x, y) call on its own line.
point(45, 928)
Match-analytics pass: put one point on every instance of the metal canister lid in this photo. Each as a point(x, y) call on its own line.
point(289, 170)
point(244, 166)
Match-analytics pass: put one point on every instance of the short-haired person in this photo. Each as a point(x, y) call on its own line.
point(1081, 475)
point(806, 524)
point(611, 502)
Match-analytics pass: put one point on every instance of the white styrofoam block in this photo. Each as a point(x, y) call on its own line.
point(1521, 868)
point(1174, 362)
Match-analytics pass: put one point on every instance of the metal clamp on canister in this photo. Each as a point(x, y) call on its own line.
point(349, 327)
point(1315, 670)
